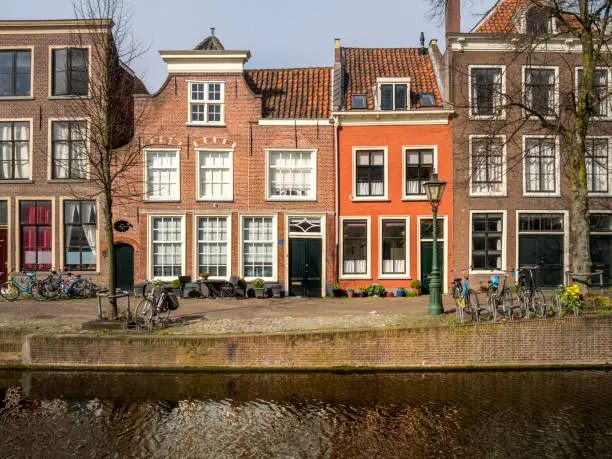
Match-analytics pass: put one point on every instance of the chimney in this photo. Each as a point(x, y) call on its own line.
point(336, 50)
point(422, 49)
point(337, 88)
point(453, 16)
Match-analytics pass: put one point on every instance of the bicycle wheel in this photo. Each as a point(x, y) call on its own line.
point(50, 289)
point(472, 301)
point(555, 306)
point(9, 291)
point(539, 303)
point(144, 314)
point(81, 289)
point(523, 302)
point(36, 290)
point(508, 304)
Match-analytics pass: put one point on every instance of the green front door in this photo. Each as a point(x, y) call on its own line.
point(546, 251)
point(601, 257)
point(124, 269)
point(305, 267)
point(426, 262)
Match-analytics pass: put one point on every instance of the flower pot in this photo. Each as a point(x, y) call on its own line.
point(399, 293)
point(260, 292)
point(350, 293)
point(338, 292)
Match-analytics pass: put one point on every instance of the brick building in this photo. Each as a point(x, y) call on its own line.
point(512, 194)
point(47, 72)
point(237, 177)
point(394, 131)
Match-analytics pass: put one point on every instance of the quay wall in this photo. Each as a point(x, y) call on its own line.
point(538, 343)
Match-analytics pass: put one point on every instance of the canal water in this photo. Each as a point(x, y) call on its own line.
point(301, 415)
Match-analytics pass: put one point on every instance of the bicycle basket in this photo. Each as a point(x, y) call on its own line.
point(172, 302)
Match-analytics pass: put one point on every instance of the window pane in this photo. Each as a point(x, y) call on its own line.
point(6, 62)
point(258, 247)
point(3, 213)
point(354, 250)
point(215, 174)
point(386, 97)
point(60, 71)
point(394, 246)
point(401, 97)
point(291, 174)
point(162, 174)
point(487, 240)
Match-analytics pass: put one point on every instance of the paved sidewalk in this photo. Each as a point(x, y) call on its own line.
point(225, 316)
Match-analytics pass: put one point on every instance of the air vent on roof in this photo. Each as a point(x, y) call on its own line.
point(359, 101)
point(427, 99)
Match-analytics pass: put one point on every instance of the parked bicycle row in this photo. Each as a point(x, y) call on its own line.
point(525, 299)
point(54, 285)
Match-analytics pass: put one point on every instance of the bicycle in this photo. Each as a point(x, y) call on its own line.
point(531, 297)
point(466, 300)
point(155, 308)
point(500, 300)
point(13, 288)
point(74, 286)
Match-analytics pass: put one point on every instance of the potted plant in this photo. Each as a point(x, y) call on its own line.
point(258, 286)
point(376, 290)
point(175, 285)
point(390, 293)
point(350, 292)
point(338, 291)
point(400, 292)
point(362, 291)
point(416, 286)
point(204, 275)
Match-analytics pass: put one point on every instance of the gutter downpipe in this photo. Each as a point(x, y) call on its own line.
point(337, 203)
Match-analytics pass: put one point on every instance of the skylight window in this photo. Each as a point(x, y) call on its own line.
point(427, 99)
point(359, 101)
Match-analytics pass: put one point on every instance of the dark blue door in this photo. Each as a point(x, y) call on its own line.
point(124, 267)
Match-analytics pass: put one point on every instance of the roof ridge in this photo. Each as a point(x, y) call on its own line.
point(397, 47)
point(292, 68)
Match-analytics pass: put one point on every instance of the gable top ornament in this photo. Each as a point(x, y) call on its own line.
point(210, 43)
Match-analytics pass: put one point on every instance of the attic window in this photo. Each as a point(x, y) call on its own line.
point(359, 101)
point(427, 99)
point(393, 93)
point(537, 21)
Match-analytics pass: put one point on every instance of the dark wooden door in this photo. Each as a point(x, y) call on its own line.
point(426, 262)
point(124, 274)
point(546, 251)
point(305, 267)
point(3, 254)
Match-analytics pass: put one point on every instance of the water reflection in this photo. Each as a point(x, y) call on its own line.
point(505, 414)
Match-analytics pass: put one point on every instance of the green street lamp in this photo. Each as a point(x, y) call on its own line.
point(434, 188)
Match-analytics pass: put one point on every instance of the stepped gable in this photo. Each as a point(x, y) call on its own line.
point(293, 93)
point(362, 66)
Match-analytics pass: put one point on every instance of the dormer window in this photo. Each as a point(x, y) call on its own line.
point(359, 101)
point(536, 21)
point(206, 102)
point(393, 94)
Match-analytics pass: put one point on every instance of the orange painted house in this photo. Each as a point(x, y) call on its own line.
point(393, 130)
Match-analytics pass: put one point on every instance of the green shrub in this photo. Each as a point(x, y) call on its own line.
point(376, 289)
point(241, 283)
point(174, 283)
point(416, 284)
point(410, 293)
point(258, 283)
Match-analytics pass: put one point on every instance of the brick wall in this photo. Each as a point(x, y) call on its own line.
point(583, 341)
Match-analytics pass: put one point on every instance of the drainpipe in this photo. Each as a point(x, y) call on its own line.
point(337, 199)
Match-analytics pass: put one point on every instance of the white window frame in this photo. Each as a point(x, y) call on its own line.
point(199, 197)
point(557, 191)
point(406, 149)
point(313, 184)
point(18, 199)
point(241, 242)
point(22, 48)
point(406, 274)
point(393, 81)
point(196, 242)
point(504, 239)
point(608, 101)
point(50, 72)
point(205, 102)
point(385, 196)
point(50, 150)
point(30, 121)
point(150, 248)
point(556, 90)
point(368, 273)
point(521, 23)
point(595, 194)
point(502, 113)
point(62, 247)
point(504, 189)
point(146, 175)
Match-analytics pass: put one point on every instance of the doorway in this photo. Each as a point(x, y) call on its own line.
point(305, 267)
point(124, 267)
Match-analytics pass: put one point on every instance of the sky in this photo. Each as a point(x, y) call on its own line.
point(279, 33)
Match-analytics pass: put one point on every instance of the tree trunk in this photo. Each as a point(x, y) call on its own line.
point(110, 239)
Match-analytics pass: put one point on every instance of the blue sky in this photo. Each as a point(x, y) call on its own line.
point(279, 33)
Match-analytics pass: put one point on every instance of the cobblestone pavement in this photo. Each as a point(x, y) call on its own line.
point(227, 316)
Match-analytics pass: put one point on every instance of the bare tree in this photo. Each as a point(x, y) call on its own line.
point(580, 106)
point(104, 148)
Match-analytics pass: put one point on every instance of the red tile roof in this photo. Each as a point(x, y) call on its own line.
point(362, 66)
point(293, 93)
point(499, 19)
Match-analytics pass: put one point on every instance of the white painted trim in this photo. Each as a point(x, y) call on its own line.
point(21, 48)
point(504, 238)
point(9, 232)
point(18, 200)
point(501, 96)
point(62, 249)
point(555, 96)
point(565, 233)
point(50, 72)
point(594, 194)
point(392, 81)
point(322, 235)
point(30, 152)
point(608, 100)
point(490, 43)
point(146, 197)
point(393, 118)
point(368, 273)
point(50, 122)
point(557, 192)
point(168, 214)
point(205, 61)
point(196, 246)
point(606, 211)
point(385, 197)
point(199, 196)
point(205, 102)
point(445, 281)
point(406, 219)
point(295, 122)
point(274, 217)
point(504, 190)
point(405, 149)
point(313, 184)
